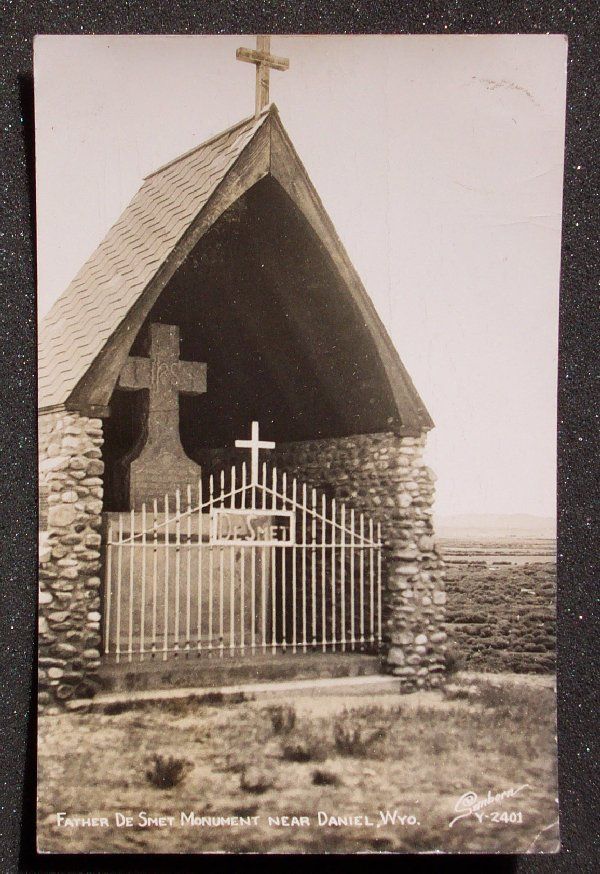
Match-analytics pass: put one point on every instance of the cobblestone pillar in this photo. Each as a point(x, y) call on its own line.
point(70, 470)
point(415, 614)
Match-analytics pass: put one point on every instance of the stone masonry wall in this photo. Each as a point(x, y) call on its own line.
point(384, 476)
point(70, 471)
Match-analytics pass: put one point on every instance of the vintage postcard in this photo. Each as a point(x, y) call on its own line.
point(298, 303)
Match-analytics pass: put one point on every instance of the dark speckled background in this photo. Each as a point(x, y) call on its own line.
point(578, 406)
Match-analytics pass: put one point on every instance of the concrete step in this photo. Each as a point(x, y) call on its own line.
point(218, 672)
point(290, 690)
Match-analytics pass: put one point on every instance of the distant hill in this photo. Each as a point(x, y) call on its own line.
point(490, 525)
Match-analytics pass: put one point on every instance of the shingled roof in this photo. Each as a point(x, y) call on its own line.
point(142, 247)
point(116, 274)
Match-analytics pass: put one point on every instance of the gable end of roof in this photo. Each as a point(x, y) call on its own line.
point(86, 333)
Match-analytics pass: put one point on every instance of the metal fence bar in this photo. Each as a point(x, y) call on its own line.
point(284, 574)
point(119, 580)
point(243, 571)
point(304, 547)
point(343, 579)
point(362, 581)
point(166, 581)
point(211, 568)
point(294, 574)
point(252, 579)
point(379, 605)
point(222, 580)
point(154, 574)
point(232, 575)
point(313, 570)
point(188, 575)
point(371, 585)
point(352, 580)
point(143, 592)
point(333, 598)
point(109, 583)
point(177, 568)
point(263, 569)
point(274, 574)
point(199, 585)
point(323, 575)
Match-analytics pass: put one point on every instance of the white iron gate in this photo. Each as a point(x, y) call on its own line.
point(250, 567)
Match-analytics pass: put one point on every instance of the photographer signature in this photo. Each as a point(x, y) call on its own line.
point(469, 804)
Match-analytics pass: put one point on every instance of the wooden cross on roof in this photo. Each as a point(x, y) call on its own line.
point(264, 61)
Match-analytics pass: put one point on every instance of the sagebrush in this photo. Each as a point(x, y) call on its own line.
point(283, 719)
point(166, 771)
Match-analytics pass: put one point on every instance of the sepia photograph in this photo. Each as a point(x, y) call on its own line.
point(297, 374)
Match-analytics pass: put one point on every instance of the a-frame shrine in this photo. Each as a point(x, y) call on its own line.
point(223, 296)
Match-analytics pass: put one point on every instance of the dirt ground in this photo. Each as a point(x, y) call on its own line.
point(409, 758)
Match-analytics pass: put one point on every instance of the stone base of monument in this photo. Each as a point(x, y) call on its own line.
point(189, 672)
point(167, 595)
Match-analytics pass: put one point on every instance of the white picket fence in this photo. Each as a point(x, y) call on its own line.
point(264, 567)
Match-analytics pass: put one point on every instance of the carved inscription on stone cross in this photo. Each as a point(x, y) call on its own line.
point(158, 464)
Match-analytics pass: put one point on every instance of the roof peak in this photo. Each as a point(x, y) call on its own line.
point(271, 108)
point(87, 335)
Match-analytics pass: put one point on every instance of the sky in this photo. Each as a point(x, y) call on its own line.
point(440, 162)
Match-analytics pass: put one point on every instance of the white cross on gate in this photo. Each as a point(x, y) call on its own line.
point(254, 444)
point(264, 61)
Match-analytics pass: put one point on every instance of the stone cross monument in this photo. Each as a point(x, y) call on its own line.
point(162, 465)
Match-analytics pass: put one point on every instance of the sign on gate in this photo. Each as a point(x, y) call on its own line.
point(230, 527)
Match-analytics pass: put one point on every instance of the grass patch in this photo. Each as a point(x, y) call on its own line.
point(255, 781)
point(507, 700)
